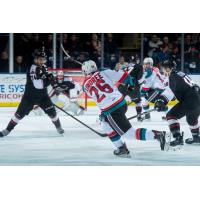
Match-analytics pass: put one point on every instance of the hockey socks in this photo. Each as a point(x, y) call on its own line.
point(142, 134)
point(194, 128)
point(138, 108)
point(116, 139)
point(57, 124)
point(13, 122)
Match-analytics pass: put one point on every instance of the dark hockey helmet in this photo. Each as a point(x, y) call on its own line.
point(169, 64)
point(40, 54)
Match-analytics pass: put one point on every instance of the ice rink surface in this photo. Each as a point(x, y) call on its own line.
point(36, 142)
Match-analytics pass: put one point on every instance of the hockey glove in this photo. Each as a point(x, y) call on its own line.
point(160, 105)
point(41, 73)
point(129, 87)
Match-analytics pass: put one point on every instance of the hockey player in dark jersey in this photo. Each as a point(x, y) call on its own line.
point(136, 72)
point(188, 95)
point(35, 94)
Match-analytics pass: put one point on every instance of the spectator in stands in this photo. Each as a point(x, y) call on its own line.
point(48, 44)
point(95, 52)
point(154, 46)
point(74, 46)
point(198, 44)
point(188, 43)
point(110, 46)
point(176, 56)
point(19, 65)
point(4, 62)
point(191, 60)
point(164, 54)
point(111, 51)
point(66, 42)
point(121, 64)
point(166, 43)
point(36, 43)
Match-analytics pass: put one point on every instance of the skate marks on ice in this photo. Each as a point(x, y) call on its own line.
point(36, 142)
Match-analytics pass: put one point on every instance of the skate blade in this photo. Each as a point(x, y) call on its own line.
point(124, 156)
point(167, 144)
point(193, 144)
point(167, 141)
point(176, 148)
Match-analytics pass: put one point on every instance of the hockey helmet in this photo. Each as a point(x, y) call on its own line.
point(149, 61)
point(89, 67)
point(169, 64)
point(40, 54)
point(60, 75)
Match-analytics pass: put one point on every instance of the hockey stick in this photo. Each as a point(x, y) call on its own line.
point(142, 114)
point(149, 99)
point(100, 134)
point(69, 57)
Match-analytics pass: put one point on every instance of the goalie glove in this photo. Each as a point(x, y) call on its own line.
point(160, 105)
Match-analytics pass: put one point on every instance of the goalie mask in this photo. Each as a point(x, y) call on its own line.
point(89, 67)
point(60, 76)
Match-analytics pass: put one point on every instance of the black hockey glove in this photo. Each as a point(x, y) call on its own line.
point(51, 79)
point(41, 73)
point(160, 105)
point(196, 88)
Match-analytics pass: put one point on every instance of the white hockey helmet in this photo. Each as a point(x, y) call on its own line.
point(88, 67)
point(149, 61)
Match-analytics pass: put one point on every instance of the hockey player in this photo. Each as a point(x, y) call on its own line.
point(100, 85)
point(70, 91)
point(188, 95)
point(153, 86)
point(136, 73)
point(35, 94)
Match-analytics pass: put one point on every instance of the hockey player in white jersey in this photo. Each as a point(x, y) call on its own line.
point(100, 85)
point(154, 85)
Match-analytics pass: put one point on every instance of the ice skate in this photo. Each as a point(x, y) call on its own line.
point(147, 117)
point(3, 133)
point(60, 130)
point(160, 136)
point(178, 141)
point(140, 118)
point(122, 151)
point(194, 140)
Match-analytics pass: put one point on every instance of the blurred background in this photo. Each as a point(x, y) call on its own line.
point(106, 49)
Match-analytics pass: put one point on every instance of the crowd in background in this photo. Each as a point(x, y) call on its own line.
point(82, 47)
point(163, 47)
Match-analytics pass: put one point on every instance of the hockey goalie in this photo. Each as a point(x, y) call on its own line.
point(65, 93)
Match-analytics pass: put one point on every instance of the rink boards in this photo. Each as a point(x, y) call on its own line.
point(12, 88)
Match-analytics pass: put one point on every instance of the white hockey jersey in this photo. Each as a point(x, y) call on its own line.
point(156, 81)
point(101, 86)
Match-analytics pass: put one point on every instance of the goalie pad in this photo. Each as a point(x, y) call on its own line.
point(65, 103)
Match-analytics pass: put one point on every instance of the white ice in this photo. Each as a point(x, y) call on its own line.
point(35, 141)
